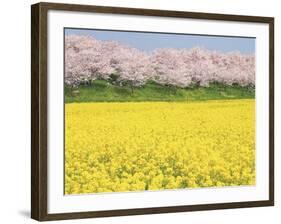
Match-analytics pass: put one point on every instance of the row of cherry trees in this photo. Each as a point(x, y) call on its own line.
point(88, 59)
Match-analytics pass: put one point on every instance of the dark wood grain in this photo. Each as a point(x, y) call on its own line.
point(35, 113)
point(154, 12)
point(39, 204)
point(156, 210)
point(271, 111)
point(38, 112)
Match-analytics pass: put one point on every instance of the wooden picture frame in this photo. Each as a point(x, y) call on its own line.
point(39, 110)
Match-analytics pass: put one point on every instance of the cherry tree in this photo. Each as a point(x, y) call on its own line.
point(132, 66)
point(87, 59)
point(169, 68)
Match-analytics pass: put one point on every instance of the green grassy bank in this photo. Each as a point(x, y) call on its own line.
point(102, 91)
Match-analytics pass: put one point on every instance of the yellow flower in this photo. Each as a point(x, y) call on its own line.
point(113, 147)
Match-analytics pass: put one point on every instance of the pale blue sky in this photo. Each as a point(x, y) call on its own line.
point(151, 41)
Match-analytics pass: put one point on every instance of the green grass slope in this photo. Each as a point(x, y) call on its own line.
point(102, 91)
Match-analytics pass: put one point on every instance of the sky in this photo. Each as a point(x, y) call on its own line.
point(150, 41)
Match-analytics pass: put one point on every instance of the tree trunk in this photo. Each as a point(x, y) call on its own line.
point(132, 89)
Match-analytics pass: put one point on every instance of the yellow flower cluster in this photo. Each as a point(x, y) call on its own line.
point(117, 147)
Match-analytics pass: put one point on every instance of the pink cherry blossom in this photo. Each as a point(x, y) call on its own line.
point(87, 58)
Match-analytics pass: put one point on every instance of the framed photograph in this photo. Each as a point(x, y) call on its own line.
point(141, 111)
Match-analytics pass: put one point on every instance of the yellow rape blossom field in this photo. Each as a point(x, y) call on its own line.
point(118, 147)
